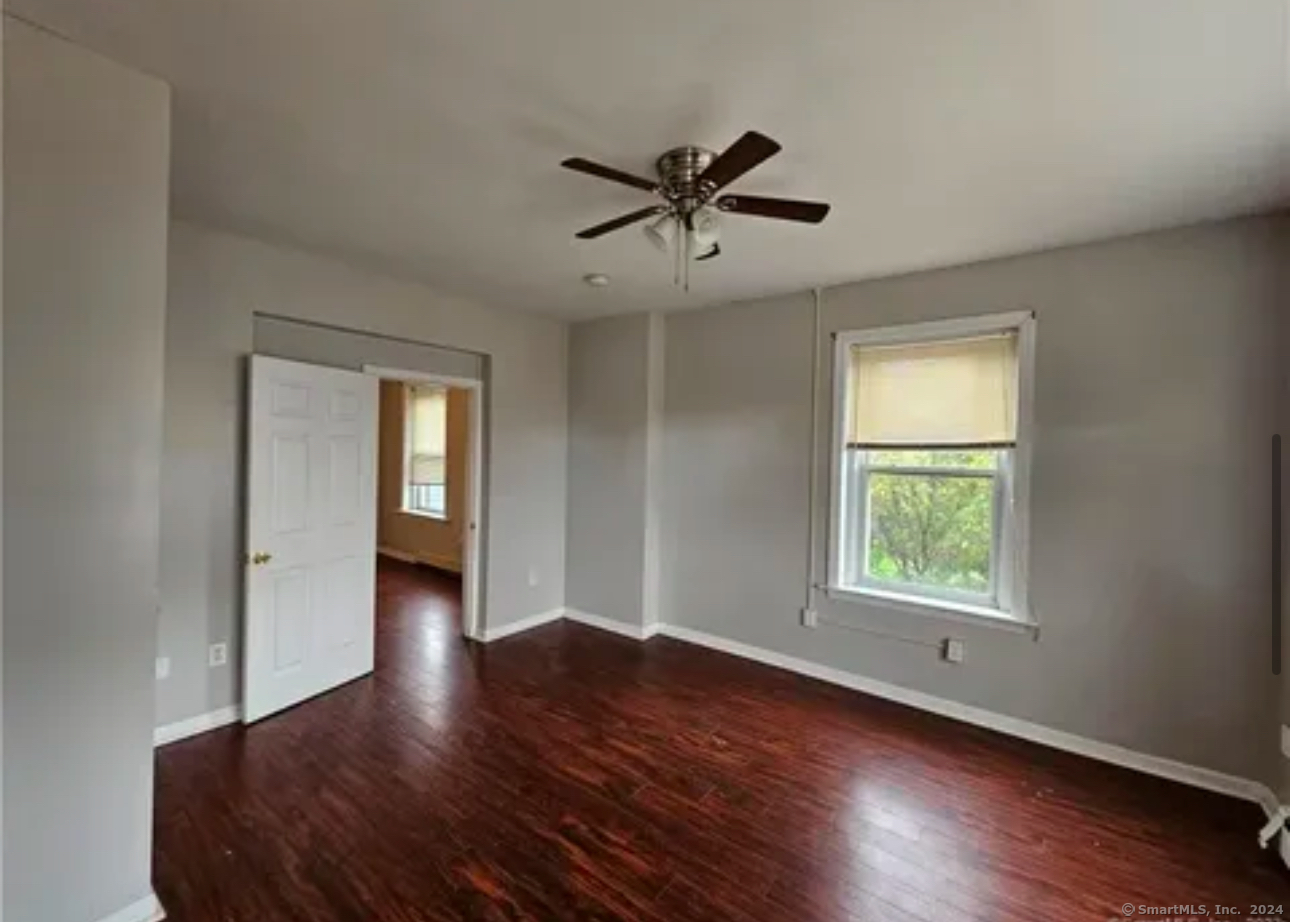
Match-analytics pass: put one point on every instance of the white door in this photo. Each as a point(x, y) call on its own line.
point(311, 533)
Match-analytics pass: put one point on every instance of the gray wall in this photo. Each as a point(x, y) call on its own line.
point(217, 282)
point(86, 164)
point(1157, 389)
point(608, 410)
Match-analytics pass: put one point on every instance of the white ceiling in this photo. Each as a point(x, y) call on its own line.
point(423, 137)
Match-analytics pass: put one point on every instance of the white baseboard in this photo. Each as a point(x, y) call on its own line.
point(147, 909)
point(1267, 799)
point(1193, 775)
point(634, 631)
point(447, 564)
point(202, 723)
point(431, 560)
point(1196, 776)
point(396, 554)
point(1270, 808)
point(524, 624)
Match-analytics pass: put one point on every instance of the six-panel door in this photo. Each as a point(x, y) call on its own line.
point(311, 532)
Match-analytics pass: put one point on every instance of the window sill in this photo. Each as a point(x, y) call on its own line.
point(933, 608)
point(418, 514)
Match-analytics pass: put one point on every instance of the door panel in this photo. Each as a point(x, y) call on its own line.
point(290, 615)
point(311, 532)
point(290, 483)
point(345, 501)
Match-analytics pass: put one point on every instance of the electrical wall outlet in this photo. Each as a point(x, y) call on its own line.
point(533, 577)
point(163, 667)
point(952, 650)
point(809, 617)
point(218, 654)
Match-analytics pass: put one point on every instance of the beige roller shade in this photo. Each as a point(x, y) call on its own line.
point(428, 440)
point(956, 394)
point(427, 470)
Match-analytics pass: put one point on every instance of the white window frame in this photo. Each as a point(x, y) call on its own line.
point(1008, 603)
point(406, 506)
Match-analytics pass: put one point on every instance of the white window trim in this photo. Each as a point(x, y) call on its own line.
point(420, 513)
point(1014, 542)
point(944, 609)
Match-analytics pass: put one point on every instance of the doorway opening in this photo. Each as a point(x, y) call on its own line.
point(314, 524)
point(428, 477)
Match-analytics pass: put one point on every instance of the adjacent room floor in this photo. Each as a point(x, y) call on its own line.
point(570, 774)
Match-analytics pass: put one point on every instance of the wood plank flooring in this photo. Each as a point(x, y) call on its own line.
point(569, 774)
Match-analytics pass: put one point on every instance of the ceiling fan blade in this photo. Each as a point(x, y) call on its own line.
point(737, 159)
point(578, 164)
point(782, 208)
point(600, 229)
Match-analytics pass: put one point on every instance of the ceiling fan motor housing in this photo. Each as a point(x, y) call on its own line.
point(679, 170)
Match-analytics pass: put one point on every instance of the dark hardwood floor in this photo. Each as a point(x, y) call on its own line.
point(568, 774)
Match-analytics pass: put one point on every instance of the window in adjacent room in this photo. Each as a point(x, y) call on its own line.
point(425, 475)
point(930, 478)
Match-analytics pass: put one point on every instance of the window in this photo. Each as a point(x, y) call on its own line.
point(425, 475)
point(931, 465)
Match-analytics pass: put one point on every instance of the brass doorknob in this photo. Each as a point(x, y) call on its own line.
point(260, 558)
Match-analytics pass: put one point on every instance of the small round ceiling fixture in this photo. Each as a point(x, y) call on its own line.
point(596, 280)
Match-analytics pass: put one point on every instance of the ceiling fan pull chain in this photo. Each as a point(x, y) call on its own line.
point(676, 257)
point(689, 246)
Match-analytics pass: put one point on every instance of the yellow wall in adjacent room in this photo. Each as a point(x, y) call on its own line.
point(433, 541)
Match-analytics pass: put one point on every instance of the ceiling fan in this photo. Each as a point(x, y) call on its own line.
point(689, 179)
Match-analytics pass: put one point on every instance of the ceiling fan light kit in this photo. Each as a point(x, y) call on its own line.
point(688, 223)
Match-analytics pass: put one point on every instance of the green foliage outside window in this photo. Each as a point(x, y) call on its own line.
point(931, 530)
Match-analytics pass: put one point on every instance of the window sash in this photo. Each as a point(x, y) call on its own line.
point(930, 470)
point(857, 535)
point(426, 499)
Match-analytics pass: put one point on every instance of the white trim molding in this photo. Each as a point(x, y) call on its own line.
point(524, 624)
point(438, 561)
point(1206, 778)
point(427, 377)
point(472, 551)
point(193, 726)
point(396, 554)
point(1277, 815)
point(928, 606)
point(1009, 596)
point(634, 631)
point(1193, 775)
point(148, 909)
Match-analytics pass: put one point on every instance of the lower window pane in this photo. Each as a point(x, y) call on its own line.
point(932, 531)
point(427, 497)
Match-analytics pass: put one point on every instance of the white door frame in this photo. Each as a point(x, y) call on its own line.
point(471, 626)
